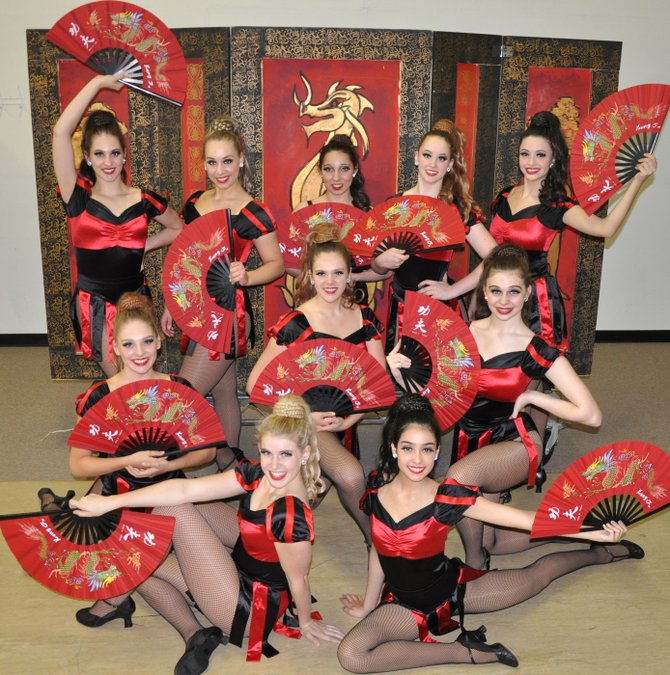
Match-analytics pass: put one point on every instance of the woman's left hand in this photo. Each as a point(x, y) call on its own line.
point(611, 533)
point(161, 466)
point(238, 274)
point(353, 605)
point(646, 166)
point(439, 290)
point(318, 631)
point(90, 506)
point(523, 400)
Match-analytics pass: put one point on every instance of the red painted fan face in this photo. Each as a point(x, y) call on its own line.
point(137, 345)
point(281, 460)
point(330, 274)
point(337, 173)
point(222, 164)
point(535, 158)
point(434, 160)
point(505, 294)
point(106, 157)
point(417, 451)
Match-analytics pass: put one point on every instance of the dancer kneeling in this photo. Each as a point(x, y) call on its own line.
point(410, 516)
point(271, 546)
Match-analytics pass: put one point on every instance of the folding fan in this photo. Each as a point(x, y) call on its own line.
point(291, 236)
point(626, 481)
point(117, 37)
point(330, 374)
point(613, 138)
point(413, 223)
point(196, 281)
point(88, 558)
point(444, 355)
point(148, 415)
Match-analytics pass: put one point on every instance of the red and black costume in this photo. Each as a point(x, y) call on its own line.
point(118, 482)
point(109, 252)
point(431, 265)
point(411, 553)
point(253, 221)
point(264, 590)
point(502, 380)
point(534, 229)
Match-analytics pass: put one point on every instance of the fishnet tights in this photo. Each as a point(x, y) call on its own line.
point(203, 538)
point(386, 639)
point(346, 473)
point(493, 468)
point(219, 378)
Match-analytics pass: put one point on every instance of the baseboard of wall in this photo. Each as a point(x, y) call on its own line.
point(633, 336)
point(24, 340)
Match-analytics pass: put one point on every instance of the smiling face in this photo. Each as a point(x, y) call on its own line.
point(417, 450)
point(535, 158)
point(106, 156)
point(433, 159)
point(281, 459)
point(505, 293)
point(222, 163)
point(330, 275)
point(137, 345)
point(337, 172)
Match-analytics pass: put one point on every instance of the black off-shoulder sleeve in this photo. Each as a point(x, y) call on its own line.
point(248, 474)
point(371, 324)
point(452, 500)
point(96, 392)
point(539, 357)
point(254, 220)
point(290, 520)
point(292, 327)
point(154, 204)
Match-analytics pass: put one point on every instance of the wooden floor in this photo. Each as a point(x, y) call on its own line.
point(600, 620)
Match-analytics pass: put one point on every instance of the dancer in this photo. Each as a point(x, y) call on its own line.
point(227, 169)
point(270, 561)
point(340, 172)
point(136, 344)
point(442, 174)
point(533, 213)
point(325, 309)
point(108, 219)
point(411, 515)
point(496, 442)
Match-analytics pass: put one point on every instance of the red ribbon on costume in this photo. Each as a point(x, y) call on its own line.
point(85, 324)
point(464, 440)
point(110, 314)
point(259, 605)
point(240, 348)
point(530, 449)
point(547, 329)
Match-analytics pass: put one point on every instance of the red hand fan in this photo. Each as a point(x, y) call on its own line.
point(89, 558)
point(148, 415)
point(331, 375)
point(291, 236)
point(445, 359)
point(613, 138)
point(412, 223)
point(624, 481)
point(196, 281)
point(117, 37)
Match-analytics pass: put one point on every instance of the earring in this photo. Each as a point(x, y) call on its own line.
point(124, 160)
point(436, 457)
point(311, 281)
point(241, 163)
point(416, 163)
point(394, 456)
point(525, 299)
point(303, 462)
point(448, 169)
point(88, 162)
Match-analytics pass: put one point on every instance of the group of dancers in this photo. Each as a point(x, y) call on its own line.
point(243, 569)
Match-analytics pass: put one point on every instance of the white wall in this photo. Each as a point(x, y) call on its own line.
point(635, 289)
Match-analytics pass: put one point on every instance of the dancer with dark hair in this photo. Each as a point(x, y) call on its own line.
point(136, 345)
point(411, 515)
point(533, 213)
point(227, 169)
point(108, 219)
point(325, 308)
point(268, 568)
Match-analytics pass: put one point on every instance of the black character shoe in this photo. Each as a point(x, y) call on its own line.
point(472, 643)
point(123, 611)
point(199, 648)
point(632, 550)
point(50, 502)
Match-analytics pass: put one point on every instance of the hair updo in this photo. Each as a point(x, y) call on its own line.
point(225, 128)
point(292, 418)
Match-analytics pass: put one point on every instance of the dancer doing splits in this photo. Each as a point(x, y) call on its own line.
point(411, 515)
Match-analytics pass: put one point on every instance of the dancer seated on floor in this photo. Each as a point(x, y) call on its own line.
point(325, 308)
point(272, 545)
point(410, 515)
point(136, 344)
point(496, 443)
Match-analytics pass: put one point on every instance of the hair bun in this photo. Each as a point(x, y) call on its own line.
point(130, 301)
point(291, 405)
point(412, 403)
point(225, 123)
point(322, 234)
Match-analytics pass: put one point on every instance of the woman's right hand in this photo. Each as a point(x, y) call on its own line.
point(354, 605)
point(145, 459)
point(397, 361)
point(391, 259)
point(319, 631)
point(167, 324)
point(325, 421)
point(90, 506)
point(111, 81)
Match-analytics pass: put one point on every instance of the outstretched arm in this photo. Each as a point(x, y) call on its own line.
point(172, 226)
point(360, 606)
point(167, 493)
point(579, 220)
point(63, 155)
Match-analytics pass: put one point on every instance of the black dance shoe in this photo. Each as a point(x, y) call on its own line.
point(123, 611)
point(470, 640)
point(199, 648)
point(633, 550)
point(50, 502)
